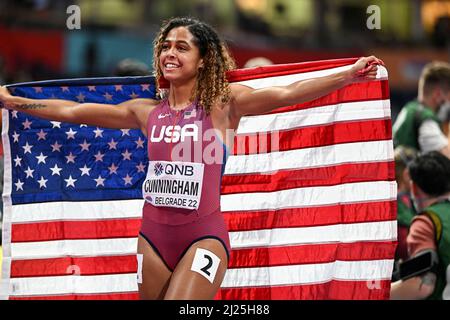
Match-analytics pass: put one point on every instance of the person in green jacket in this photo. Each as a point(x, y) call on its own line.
point(405, 209)
point(430, 230)
point(417, 125)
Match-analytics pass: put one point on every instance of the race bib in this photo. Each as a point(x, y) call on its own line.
point(173, 184)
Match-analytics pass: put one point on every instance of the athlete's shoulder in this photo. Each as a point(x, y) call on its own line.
point(141, 102)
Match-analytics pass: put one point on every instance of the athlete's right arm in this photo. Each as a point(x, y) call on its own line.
point(124, 115)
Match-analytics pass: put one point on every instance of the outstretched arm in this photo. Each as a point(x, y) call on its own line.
point(248, 101)
point(128, 114)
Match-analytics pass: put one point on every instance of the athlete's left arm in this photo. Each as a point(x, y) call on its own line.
point(248, 101)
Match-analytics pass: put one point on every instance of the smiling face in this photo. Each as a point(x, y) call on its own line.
point(179, 58)
point(190, 53)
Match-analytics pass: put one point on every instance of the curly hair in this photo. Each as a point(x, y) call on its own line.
point(212, 83)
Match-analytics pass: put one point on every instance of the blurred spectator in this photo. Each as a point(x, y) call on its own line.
point(430, 230)
point(441, 32)
point(405, 209)
point(444, 117)
point(257, 62)
point(91, 57)
point(21, 75)
point(131, 67)
point(446, 294)
point(417, 125)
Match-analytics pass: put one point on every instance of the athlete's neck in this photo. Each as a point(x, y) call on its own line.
point(180, 95)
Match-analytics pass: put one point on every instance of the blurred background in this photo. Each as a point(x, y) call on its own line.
point(36, 43)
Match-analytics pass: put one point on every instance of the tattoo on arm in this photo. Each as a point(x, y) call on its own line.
point(32, 106)
point(428, 279)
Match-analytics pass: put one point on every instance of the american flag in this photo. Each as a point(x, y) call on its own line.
point(73, 208)
point(315, 217)
point(308, 194)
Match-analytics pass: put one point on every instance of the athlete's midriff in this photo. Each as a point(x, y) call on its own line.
point(185, 136)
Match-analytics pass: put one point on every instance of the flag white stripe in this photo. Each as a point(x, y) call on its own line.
point(289, 79)
point(342, 233)
point(311, 196)
point(308, 273)
point(350, 111)
point(356, 152)
point(6, 229)
point(73, 284)
point(372, 231)
point(75, 248)
point(66, 211)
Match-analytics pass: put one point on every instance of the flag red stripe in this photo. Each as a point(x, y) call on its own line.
point(74, 265)
point(314, 136)
point(311, 177)
point(332, 290)
point(356, 92)
point(312, 216)
point(107, 296)
point(286, 69)
point(71, 230)
point(311, 253)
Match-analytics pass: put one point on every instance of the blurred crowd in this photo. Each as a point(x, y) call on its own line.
point(422, 171)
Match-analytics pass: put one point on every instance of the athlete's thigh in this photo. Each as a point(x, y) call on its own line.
point(204, 283)
point(155, 274)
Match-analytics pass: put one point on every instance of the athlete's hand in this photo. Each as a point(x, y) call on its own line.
point(4, 96)
point(365, 69)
